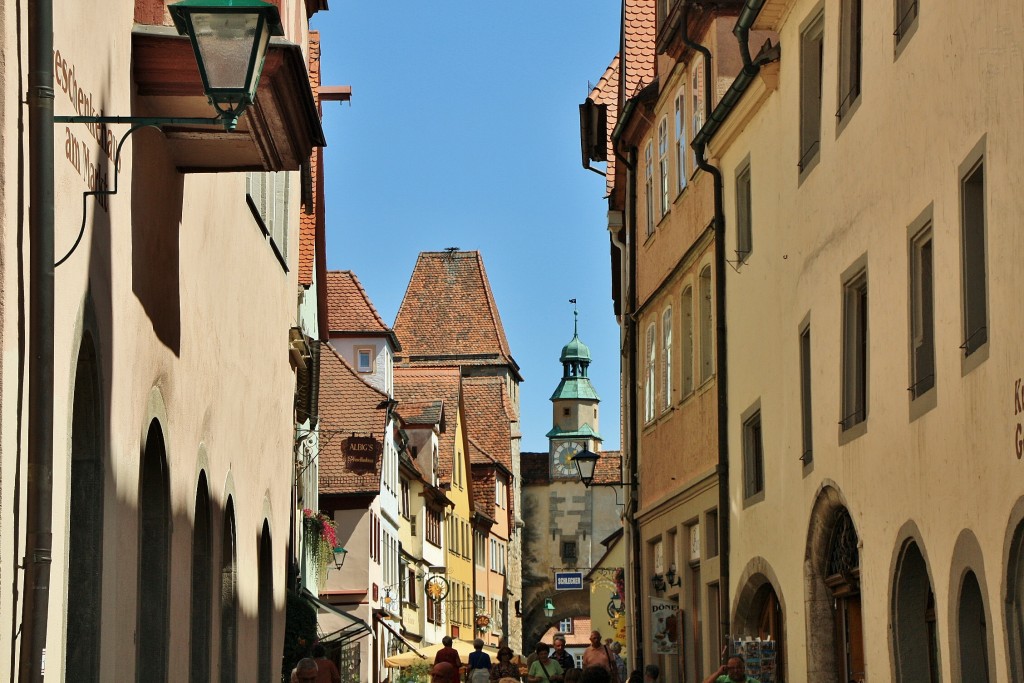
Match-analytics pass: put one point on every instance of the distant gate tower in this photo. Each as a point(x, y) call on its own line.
point(574, 409)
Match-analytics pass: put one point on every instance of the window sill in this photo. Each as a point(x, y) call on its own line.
point(753, 499)
point(969, 363)
point(902, 41)
point(853, 432)
point(923, 403)
point(807, 461)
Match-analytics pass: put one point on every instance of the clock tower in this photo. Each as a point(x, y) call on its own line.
point(574, 410)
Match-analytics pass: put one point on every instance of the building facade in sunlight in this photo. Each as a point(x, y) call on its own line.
point(178, 339)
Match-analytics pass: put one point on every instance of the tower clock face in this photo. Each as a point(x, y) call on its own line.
point(562, 465)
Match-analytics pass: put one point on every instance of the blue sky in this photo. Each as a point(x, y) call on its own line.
point(463, 131)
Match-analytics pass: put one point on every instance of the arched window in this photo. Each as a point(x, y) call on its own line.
point(152, 598)
point(707, 321)
point(266, 606)
point(972, 631)
point(649, 383)
point(842, 576)
point(1015, 604)
point(202, 587)
point(686, 325)
point(85, 561)
point(666, 356)
point(228, 598)
point(915, 640)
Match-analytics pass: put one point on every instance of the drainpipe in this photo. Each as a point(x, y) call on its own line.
point(38, 535)
point(751, 67)
point(629, 307)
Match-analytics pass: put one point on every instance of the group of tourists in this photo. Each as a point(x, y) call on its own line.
point(602, 663)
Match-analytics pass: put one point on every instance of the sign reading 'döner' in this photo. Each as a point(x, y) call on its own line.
point(568, 581)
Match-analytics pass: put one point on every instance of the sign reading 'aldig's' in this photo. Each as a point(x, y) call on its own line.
point(361, 452)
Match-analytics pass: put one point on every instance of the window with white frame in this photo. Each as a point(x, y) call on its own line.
point(681, 141)
point(666, 356)
point(697, 99)
point(649, 385)
point(565, 626)
point(268, 193)
point(364, 359)
point(686, 327)
point(649, 185)
point(663, 164)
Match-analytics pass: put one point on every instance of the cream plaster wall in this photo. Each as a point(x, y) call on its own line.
point(957, 81)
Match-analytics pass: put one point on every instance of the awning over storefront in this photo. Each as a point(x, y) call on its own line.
point(335, 625)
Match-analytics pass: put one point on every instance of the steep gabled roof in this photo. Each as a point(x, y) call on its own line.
point(485, 469)
point(639, 36)
point(349, 309)
point(421, 412)
point(448, 315)
point(489, 416)
point(434, 384)
point(348, 405)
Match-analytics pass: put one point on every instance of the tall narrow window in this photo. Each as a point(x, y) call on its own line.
point(649, 384)
point(268, 196)
point(85, 563)
point(228, 598)
point(265, 606)
point(707, 321)
point(811, 57)
point(753, 454)
point(855, 351)
point(697, 99)
point(649, 185)
point(663, 164)
point(686, 329)
point(666, 360)
point(922, 323)
point(975, 315)
point(153, 591)
point(807, 441)
point(744, 228)
point(202, 587)
point(849, 56)
point(681, 141)
point(906, 18)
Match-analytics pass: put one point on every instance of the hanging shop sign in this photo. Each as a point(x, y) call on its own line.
point(568, 581)
point(361, 452)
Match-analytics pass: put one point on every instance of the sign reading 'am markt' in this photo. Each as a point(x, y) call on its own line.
point(568, 581)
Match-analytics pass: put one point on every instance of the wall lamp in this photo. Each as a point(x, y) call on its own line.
point(586, 462)
point(672, 577)
point(549, 608)
point(230, 40)
point(339, 556)
point(658, 583)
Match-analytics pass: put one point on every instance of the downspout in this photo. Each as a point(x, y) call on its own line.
point(38, 533)
point(751, 67)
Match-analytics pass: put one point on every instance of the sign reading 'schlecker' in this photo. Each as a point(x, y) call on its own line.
point(568, 581)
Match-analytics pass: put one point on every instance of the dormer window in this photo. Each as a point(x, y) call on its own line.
point(364, 360)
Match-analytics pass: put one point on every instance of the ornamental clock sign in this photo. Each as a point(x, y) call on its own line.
point(562, 465)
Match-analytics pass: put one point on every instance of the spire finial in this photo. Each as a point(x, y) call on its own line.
point(575, 318)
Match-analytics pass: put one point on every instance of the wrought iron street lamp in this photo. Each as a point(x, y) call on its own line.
point(230, 40)
point(549, 608)
point(586, 463)
point(339, 556)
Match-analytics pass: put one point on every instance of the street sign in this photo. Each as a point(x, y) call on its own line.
point(568, 581)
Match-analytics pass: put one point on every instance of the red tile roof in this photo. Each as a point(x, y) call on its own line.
point(348, 405)
point(421, 412)
point(606, 92)
point(434, 384)
point(489, 416)
point(448, 314)
point(307, 221)
point(534, 468)
point(609, 468)
point(483, 471)
point(349, 309)
point(639, 34)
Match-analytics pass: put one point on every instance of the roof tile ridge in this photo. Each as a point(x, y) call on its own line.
point(369, 302)
point(499, 328)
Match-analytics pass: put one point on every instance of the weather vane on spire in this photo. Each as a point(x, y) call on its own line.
point(575, 318)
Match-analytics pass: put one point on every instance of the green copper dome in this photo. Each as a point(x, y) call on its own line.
point(575, 350)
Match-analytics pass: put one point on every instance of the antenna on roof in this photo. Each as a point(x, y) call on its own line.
point(451, 253)
point(575, 318)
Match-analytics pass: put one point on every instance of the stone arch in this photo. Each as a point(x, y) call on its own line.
point(971, 643)
point(832, 589)
point(1013, 593)
point(760, 608)
point(914, 642)
point(154, 558)
point(85, 525)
